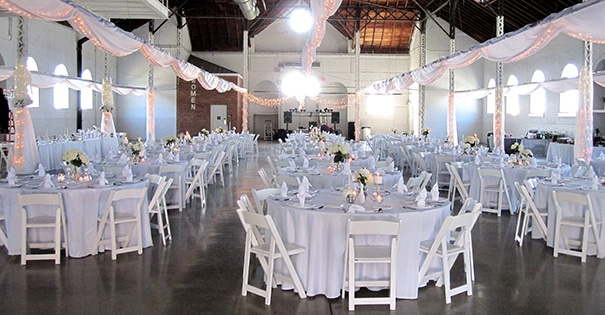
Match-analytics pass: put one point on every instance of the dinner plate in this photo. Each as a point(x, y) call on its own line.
point(306, 206)
point(11, 186)
point(415, 207)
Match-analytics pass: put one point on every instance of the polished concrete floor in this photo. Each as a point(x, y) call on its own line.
point(200, 273)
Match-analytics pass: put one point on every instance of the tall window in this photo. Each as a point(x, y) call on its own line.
point(537, 98)
point(491, 97)
point(61, 92)
point(568, 100)
point(86, 94)
point(512, 97)
point(34, 92)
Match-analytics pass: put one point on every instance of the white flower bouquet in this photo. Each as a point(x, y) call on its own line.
point(75, 157)
point(364, 176)
point(340, 152)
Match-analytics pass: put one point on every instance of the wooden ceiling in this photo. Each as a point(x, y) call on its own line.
point(386, 26)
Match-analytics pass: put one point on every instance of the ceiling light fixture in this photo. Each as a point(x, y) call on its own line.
point(301, 20)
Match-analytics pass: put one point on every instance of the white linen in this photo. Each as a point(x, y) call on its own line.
point(41, 171)
point(435, 193)
point(102, 180)
point(421, 198)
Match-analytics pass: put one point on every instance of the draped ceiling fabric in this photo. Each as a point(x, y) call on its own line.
point(321, 10)
point(43, 80)
point(112, 39)
point(583, 21)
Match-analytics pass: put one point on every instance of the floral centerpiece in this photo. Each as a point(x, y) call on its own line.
point(219, 130)
point(75, 158)
point(425, 132)
point(516, 148)
point(363, 176)
point(171, 141)
point(136, 148)
point(340, 152)
point(205, 132)
point(527, 153)
point(472, 141)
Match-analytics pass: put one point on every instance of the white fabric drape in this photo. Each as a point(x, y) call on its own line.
point(583, 21)
point(24, 156)
point(321, 10)
point(112, 39)
point(107, 126)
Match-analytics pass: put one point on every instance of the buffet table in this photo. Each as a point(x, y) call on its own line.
point(51, 154)
point(323, 233)
point(83, 204)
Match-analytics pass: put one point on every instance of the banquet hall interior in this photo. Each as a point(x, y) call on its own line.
point(153, 91)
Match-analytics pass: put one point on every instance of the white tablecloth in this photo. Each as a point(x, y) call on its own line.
point(323, 234)
point(51, 154)
point(82, 207)
point(543, 199)
point(323, 180)
point(561, 150)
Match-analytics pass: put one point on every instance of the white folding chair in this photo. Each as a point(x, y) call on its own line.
point(260, 195)
point(530, 211)
point(176, 172)
point(217, 170)
point(443, 174)
point(268, 249)
point(3, 238)
point(360, 253)
point(195, 183)
point(268, 181)
point(157, 206)
point(491, 181)
point(583, 219)
point(291, 181)
point(457, 185)
point(446, 249)
point(416, 184)
point(129, 202)
point(244, 203)
point(42, 211)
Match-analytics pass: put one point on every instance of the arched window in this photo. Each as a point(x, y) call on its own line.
point(34, 92)
point(86, 94)
point(537, 98)
point(568, 100)
point(491, 97)
point(512, 97)
point(61, 92)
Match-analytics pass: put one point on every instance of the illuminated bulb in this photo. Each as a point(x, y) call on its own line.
point(301, 20)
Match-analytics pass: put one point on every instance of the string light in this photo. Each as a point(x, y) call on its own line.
point(269, 102)
point(584, 121)
point(245, 114)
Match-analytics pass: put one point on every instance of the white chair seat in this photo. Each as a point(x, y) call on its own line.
point(265, 249)
point(374, 253)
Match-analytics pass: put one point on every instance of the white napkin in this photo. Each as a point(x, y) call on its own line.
point(91, 168)
point(421, 198)
point(170, 156)
point(601, 156)
point(392, 167)
point(284, 190)
point(595, 183)
point(11, 176)
point(555, 175)
point(361, 197)
point(356, 208)
point(477, 160)
point(292, 165)
point(160, 159)
point(177, 157)
point(122, 159)
point(47, 183)
point(41, 171)
point(533, 162)
point(372, 162)
point(401, 188)
point(129, 175)
point(302, 195)
point(305, 183)
point(191, 148)
point(591, 173)
point(102, 180)
point(305, 162)
point(111, 155)
point(435, 193)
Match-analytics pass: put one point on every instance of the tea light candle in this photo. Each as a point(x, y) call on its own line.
point(125, 141)
point(379, 198)
point(61, 177)
point(330, 170)
point(378, 179)
point(80, 179)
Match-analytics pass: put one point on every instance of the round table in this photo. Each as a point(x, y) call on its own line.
point(323, 233)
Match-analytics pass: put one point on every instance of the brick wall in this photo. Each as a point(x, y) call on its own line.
point(193, 105)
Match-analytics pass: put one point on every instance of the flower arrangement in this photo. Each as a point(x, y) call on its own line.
point(527, 153)
point(516, 148)
point(340, 152)
point(136, 148)
point(75, 157)
point(426, 131)
point(205, 132)
point(172, 140)
point(219, 130)
point(472, 140)
point(364, 176)
point(106, 109)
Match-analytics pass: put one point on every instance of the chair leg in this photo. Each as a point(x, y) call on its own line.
point(351, 263)
point(161, 227)
point(246, 266)
point(24, 248)
point(557, 236)
point(518, 238)
point(167, 225)
point(58, 238)
point(446, 276)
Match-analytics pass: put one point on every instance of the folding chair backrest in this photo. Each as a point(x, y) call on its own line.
point(260, 196)
point(40, 199)
point(373, 227)
point(468, 206)
point(534, 210)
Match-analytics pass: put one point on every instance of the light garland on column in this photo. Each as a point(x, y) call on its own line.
point(498, 121)
point(245, 105)
point(451, 118)
point(584, 123)
point(356, 101)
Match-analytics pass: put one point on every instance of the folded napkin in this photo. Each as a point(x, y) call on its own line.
point(284, 190)
point(401, 188)
point(392, 167)
point(292, 165)
point(41, 171)
point(361, 197)
point(160, 159)
point(91, 168)
point(533, 162)
point(421, 198)
point(435, 193)
point(302, 195)
point(305, 162)
point(122, 159)
point(555, 175)
point(601, 156)
point(177, 157)
point(595, 183)
point(11, 176)
point(127, 172)
point(191, 148)
point(102, 180)
point(356, 208)
point(170, 156)
point(111, 154)
point(47, 183)
point(477, 160)
point(372, 161)
point(305, 183)
point(591, 173)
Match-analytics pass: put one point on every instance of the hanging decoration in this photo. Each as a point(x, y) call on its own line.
point(22, 79)
point(107, 126)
